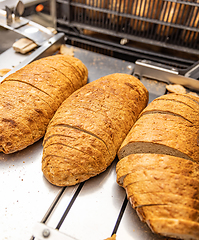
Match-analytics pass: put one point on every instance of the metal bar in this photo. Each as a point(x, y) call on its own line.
point(120, 215)
point(70, 205)
point(48, 48)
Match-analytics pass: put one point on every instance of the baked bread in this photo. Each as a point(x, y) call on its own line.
point(180, 129)
point(147, 161)
point(113, 237)
point(176, 228)
point(159, 166)
point(92, 122)
point(31, 96)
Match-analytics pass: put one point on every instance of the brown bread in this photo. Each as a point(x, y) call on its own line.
point(30, 97)
point(105, 109)
point(159, 165)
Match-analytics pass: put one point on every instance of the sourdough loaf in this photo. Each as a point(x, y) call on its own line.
point(146, 161)
point(92, 123)
point(159, 166)
point(177, 228)
point(31, 95)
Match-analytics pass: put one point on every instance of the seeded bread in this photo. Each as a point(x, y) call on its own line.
point(178, 228)
point(105, 109)
point(159, 162)
point(160, 197)
point(159, 165)
point(31, 96)
point(169, 134)
point(168, 211)
point(158, 181)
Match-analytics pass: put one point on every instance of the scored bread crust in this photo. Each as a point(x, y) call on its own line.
point(180, 184)
point(159, 166)
point(85, 122)
point(81, 141)
point(73, 133)
point(168, 211)
point(160, 197)
point(30, 97)
point(166, 163)
point(173, 107)
point(180, 135)
point(68, 170)
point(178, 228)
point(95, 110)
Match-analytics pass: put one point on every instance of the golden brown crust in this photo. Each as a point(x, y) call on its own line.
point(168, 211)
point(113, 237)
point(165, 130)
point(95, 111)
point(166, 163)
point(64, 169)
point(85, 138)
point(160, 197)
point(178, 228)
point(81, 141)
point(158, 181)
point(30, 97)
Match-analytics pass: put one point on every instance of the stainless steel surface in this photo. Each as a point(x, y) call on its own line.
point(27, 28)
point(42, 232)
point(48, 48)
point(18, 11)
point(160, 72)
point(27, 196)
point(8, 16)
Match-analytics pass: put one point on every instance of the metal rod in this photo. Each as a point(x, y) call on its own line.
point(69, 205)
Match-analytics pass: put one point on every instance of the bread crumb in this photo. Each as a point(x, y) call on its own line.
point(193, 94)
point(112, 238)
point(66, 50)
point(175, 88)
point(3, 71)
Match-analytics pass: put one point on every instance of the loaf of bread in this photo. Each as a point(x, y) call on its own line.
point(159, 166)
point(87, 130)
point(30, 97)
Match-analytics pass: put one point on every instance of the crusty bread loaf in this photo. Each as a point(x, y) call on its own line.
point(159, 165)
point(31, 95)
point(177, 228)
point(181, 129)
point(168, 211)
point(148, 161)
point(154, 181)
point(164, 134)
point(162, 198)
point(104, 111)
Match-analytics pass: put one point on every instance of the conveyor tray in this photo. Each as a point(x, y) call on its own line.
point(100, 207)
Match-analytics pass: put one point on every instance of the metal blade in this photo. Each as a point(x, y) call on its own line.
point(19, 10)
point(8, 15)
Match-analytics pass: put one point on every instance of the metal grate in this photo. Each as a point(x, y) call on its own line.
point(150, 25)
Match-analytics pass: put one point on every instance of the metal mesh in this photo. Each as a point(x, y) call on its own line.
point(171, 24)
